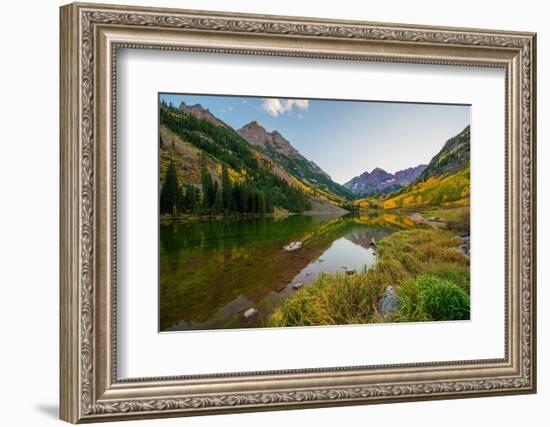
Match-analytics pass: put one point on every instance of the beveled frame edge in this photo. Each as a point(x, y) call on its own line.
point(88, 390)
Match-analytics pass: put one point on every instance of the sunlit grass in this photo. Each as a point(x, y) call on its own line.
point(448, 214)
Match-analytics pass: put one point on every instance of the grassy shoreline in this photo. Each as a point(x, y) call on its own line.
point(429, 274)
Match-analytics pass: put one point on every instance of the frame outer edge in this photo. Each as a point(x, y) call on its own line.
point(533, 207)
point(69, 354)
point(78, 403)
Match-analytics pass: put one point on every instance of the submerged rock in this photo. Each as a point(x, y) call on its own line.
point(281, 287)
point(250, 313)
point(389, 303)
point(292, 246)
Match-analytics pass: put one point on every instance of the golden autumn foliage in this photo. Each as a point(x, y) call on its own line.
point(450, 190)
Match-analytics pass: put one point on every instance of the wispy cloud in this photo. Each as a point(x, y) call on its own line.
point(276, 107)
point(226, 110)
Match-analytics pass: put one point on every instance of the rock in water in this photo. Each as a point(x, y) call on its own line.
point(292, 246)
point(249, 313)
point(281, 287)
point(297, 285)
point(389, 304)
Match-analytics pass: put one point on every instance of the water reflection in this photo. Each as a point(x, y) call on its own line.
point(212, 271)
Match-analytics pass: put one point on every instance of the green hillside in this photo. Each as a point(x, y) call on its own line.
point(453, 157)
point(309, 172)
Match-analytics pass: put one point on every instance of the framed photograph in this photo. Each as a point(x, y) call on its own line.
point(266, 212)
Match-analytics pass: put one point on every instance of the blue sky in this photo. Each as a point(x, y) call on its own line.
point(345, 138)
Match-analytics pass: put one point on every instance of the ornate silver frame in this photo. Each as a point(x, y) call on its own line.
point(90, 36)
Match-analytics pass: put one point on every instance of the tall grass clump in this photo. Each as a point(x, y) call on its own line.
point(336, 299)
point(458, 275)
point(432, 298)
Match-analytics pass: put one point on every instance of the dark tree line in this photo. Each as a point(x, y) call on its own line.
point(257, 195)
point(176, 199)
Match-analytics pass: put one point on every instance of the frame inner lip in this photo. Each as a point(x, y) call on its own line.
point(339, 370)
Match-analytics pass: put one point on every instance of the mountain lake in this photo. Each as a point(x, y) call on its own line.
point(213, 271)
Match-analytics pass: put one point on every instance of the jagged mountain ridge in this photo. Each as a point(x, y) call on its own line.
point(279, 149)
point(378, 181)
point(271, 142)
point(200, 112)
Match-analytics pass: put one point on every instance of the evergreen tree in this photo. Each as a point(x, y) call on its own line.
point(268, 203)
point(227, 190)
point(253, 201)
point(218, 201)
point(261, 203)
point(208, 191)
point(180, 200)
point(170, 191)
point(238, 198)
point(195, 200)
point(188, 197)
point(215, 189)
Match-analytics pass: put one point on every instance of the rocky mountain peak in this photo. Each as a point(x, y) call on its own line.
point(255, 124)
point(200, 112)
point(257, 135)
point(380, 181)
point(379, 172)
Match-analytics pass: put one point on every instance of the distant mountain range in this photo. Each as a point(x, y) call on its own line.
point(380, 182)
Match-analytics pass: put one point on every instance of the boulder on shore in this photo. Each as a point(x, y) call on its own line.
point(465, 246)
point(250, 313)
point(292, 246)
point(389, 303)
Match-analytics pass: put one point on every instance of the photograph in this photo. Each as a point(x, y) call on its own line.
point(280, 212)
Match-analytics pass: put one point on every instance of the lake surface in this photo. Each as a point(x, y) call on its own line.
point(212, 271)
